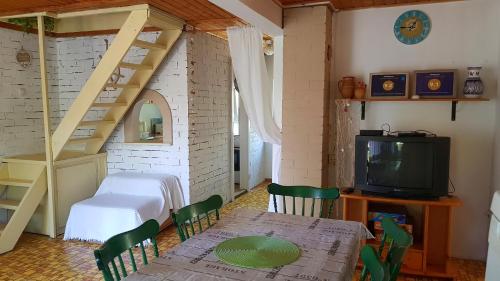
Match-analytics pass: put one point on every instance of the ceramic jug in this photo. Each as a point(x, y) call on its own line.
point(360, 90)
point(346, 87)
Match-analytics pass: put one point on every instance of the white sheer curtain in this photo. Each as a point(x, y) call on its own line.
point(255, 88)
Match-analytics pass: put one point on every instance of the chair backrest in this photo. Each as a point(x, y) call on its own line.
point(189, 215)
point(378, 270)
point(399, 242)
point(126, 241)
point(326, 196)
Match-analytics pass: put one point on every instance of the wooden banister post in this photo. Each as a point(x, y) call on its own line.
point(47, 131)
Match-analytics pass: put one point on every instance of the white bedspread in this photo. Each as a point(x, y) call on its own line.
point(123, 202)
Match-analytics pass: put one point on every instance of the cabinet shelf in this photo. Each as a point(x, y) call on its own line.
point(429, 256)
point(418, 246)
point(453, 101)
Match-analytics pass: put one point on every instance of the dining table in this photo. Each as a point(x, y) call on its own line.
point(329, 250)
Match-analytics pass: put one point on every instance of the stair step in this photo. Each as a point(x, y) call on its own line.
point(135, 66)
point(9, 204)
point(96, 123)
point(83, 140)
point(16, 182)
point(122, 86)
point(109, 104)
point(34, 159)
point(148, 45)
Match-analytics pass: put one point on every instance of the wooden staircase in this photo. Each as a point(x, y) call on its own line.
point(25, 184)
point(170, 30)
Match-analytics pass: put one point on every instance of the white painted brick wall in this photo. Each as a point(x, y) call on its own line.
point(170, 80)
point(195, 79)
point(305, 92)
point(209, 90)
point(21, 120)
point(77, 57)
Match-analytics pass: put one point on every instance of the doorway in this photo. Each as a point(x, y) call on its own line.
point(252, 156)
point(240, 141)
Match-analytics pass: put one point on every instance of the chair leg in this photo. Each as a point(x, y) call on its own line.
point(364, 273)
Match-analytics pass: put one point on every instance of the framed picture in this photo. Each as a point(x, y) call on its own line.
point(435, 83)
point(389, 85)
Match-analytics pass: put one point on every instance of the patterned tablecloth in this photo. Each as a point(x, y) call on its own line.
point(329, 250)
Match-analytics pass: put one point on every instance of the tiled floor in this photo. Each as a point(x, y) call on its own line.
point(38, 257)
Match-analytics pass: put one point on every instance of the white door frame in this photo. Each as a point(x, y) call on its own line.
point(244, 147)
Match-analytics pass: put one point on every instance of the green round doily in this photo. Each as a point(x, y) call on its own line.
point(257, 252)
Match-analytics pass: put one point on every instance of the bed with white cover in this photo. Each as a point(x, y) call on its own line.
point(123, 202)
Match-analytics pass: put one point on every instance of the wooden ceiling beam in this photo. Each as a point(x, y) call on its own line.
point(359, 4)
point(58, 6)
point(29, 15)
point(201, 14)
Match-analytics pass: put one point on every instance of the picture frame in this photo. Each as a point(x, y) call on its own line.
point(387, 85)
point(435, 83)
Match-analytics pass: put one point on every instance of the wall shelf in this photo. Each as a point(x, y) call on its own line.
point(453, 101)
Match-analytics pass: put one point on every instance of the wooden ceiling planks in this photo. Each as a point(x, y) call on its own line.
point(359, 4)
point(201, 14)
point(29, 6)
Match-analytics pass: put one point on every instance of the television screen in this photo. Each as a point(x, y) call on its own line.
point(398, 164)
point(405, 167)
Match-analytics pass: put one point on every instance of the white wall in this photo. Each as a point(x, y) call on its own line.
point(244, 143)
point(268, 9)
point(256, 159)
point(265, 15)
point(21, 120)
point(149, 111)
point(209, 93)
point(195, 80)
point(76, 58)
point(268, 161)
point(306, 82)
point(198, 95)
point(170, 80)
point(496, 157)
point(463, 34)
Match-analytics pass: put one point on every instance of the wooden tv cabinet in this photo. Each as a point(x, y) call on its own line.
point(430, 254)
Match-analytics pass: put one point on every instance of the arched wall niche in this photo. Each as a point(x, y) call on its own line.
point(133, 126)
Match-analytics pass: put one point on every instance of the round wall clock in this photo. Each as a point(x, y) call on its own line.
point(412, 27)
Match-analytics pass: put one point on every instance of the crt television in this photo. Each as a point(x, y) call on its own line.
point(405, 167)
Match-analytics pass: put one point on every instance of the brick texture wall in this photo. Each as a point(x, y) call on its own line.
point(306, 96)
point(170, 80)
point(21, 120)
point(209, 90)
point(76, 59)
point(195, 79)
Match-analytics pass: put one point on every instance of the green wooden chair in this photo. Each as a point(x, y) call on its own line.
point(378, 270)
point(187, 216)
point(326, 196)
point(126, 241)
point(398, 241)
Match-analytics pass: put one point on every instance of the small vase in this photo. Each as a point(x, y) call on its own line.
point(360, 90)
point(346, 87)
point(473, 87)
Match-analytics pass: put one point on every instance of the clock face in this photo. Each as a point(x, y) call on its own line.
point(412, 27)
